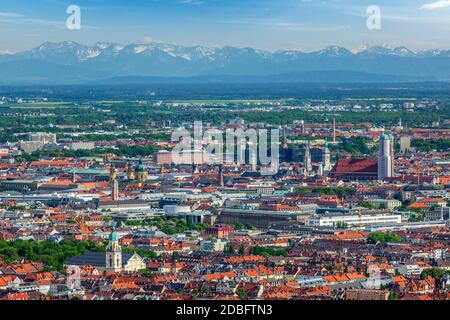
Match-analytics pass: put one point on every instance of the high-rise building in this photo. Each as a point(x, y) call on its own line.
point(386, 157)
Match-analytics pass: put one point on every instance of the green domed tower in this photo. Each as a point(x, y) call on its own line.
point(141, 172)
point(113, 253)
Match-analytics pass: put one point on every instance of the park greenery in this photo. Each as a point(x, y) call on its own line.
point(109, 137)
point(50, 253)
point(353, 145)
point(121, 150)
point(243, 226)
point(366, 205)
point(435, 273)
point(340, 192)
point(54, 254)
point(141, 252)
point(431, 145)
point(341, 225)
point(269, 251)
point(169, 226)
point(383, 237)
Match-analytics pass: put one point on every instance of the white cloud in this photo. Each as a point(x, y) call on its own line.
point(10, 15)
point(436, 5)
point(191, 2)
point(8, 18)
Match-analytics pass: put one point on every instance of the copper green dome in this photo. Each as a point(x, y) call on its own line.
point(140, 167)
point(113, 236)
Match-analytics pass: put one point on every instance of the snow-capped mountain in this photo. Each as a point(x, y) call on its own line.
point(334, 51)
point(71, 62)
point(388, 51)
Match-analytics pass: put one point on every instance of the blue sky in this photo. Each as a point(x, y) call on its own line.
point(264, 24)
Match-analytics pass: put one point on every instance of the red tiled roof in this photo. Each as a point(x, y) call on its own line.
point(57, 163)
point(356, 166)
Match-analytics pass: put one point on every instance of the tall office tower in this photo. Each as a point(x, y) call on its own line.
point(386, 157)
point(392, 154)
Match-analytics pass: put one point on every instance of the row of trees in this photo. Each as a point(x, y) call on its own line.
point(108, 137)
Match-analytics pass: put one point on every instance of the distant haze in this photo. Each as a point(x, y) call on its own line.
point(73, 63)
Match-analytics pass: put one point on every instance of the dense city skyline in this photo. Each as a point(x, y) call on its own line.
point(220, 157)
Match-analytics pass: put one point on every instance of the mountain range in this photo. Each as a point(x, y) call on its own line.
point(73, 63)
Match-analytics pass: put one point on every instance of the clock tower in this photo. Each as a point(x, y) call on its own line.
point(113, 254)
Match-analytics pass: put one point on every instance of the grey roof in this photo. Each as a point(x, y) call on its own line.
point(95, 259)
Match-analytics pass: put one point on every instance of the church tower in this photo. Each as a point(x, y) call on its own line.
point(326, 157)
point(113, 254)
point(141, 172)
point(115, 190)
point(130, 172)
point(112, 173)
point(307, 162)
